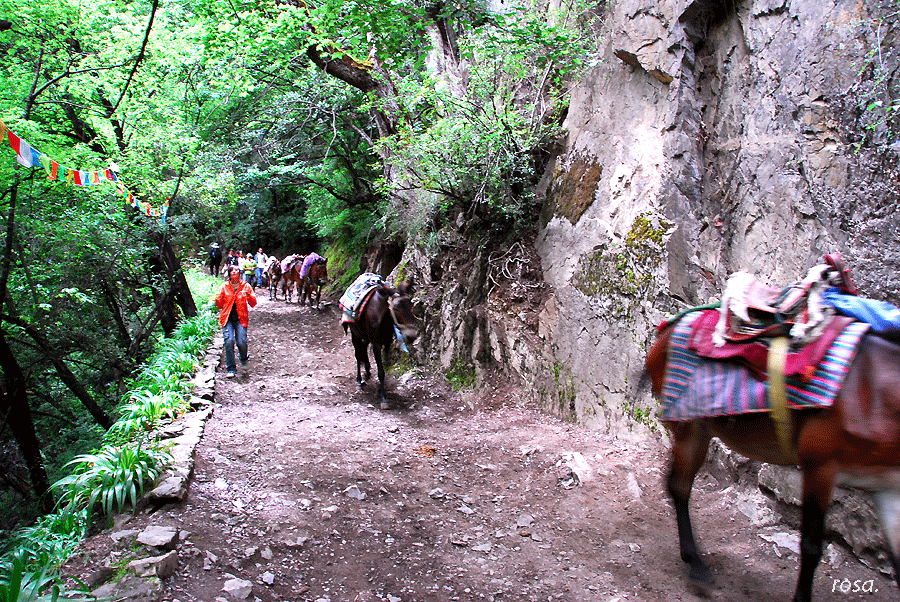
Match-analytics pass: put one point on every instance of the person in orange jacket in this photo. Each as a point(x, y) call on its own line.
point(233, 300)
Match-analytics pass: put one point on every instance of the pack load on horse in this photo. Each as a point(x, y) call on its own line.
point(215, 259)
point(272, 274)
point(290, 276)
point(376, 313)
point(313, 276)
point(791, 377)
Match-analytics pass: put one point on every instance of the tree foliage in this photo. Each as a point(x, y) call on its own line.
point(286, 124)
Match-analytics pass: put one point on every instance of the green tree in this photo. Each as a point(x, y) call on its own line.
point(86, 282)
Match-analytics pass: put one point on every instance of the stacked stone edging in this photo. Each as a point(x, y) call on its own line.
point(143, 584)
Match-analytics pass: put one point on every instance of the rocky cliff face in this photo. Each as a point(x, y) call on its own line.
point(715, 137)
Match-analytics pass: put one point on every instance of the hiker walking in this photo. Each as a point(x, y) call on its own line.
point(234, 316)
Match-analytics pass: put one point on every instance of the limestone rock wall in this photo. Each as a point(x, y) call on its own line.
point(716, 137)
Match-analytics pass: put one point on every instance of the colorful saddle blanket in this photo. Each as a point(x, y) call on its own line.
point(270, 263)
point(354, 299)
point(288, 262)
point(310, 259)
point(697, 388)
point(755, 353)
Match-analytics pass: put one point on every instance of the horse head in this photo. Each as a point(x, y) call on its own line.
point(402, 312)
point(319, 272)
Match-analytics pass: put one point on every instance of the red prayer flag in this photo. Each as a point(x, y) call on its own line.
point(14, 142)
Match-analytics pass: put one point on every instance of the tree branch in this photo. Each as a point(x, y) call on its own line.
point(137, 61)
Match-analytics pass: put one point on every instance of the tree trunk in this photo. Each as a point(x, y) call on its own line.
point(63, 372)
point(167, 264)
point(14, 396)
point(14, 405)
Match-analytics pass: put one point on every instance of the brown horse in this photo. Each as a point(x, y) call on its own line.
point(385, 309)
point(316, 277)
point(290, 279)
point(273, 276)
point(855, 442)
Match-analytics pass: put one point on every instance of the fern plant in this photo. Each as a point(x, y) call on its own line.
point(21, 585)
point(110, 478)
point(48, 542)
point(20, 581)
point(144, 413)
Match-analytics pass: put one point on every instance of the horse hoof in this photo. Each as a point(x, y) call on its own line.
point(386, 405)
point(701, 578)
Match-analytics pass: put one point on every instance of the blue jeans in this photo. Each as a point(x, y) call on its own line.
point(259, 273)
point(233, 333)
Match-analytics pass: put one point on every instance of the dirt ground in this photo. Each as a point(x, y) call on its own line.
point(308, 491)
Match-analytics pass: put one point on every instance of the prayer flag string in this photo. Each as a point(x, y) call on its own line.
point(29, 156)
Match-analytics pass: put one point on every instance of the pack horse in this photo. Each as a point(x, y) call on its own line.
point(854, 440)
point(376, 314)
point(290, 276)
point(313, 276)
point(272, 271)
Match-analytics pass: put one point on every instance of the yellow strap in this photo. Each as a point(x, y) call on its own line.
point(775, 364)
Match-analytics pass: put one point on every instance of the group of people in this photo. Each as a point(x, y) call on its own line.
point(243, 272)
point(251, 265)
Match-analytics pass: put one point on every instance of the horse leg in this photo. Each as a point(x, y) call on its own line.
point(690, 442)
point(318, 296)
point(361, 351)
point(818, 482)
point(379, 363)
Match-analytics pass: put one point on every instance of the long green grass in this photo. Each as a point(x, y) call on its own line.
point(111, 478)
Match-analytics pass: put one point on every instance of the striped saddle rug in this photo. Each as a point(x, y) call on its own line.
point(698, 388)
point(357, 295)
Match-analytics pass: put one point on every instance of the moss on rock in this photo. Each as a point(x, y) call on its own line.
point(618, 272)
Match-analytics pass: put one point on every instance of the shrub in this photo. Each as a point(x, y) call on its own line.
point(110, 478)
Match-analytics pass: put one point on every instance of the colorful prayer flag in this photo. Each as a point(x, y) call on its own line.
point(13, 141)
point(29, 156)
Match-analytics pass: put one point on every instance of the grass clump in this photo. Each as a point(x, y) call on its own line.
point(461, 375)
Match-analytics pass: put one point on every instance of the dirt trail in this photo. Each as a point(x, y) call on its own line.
point(306, 491)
